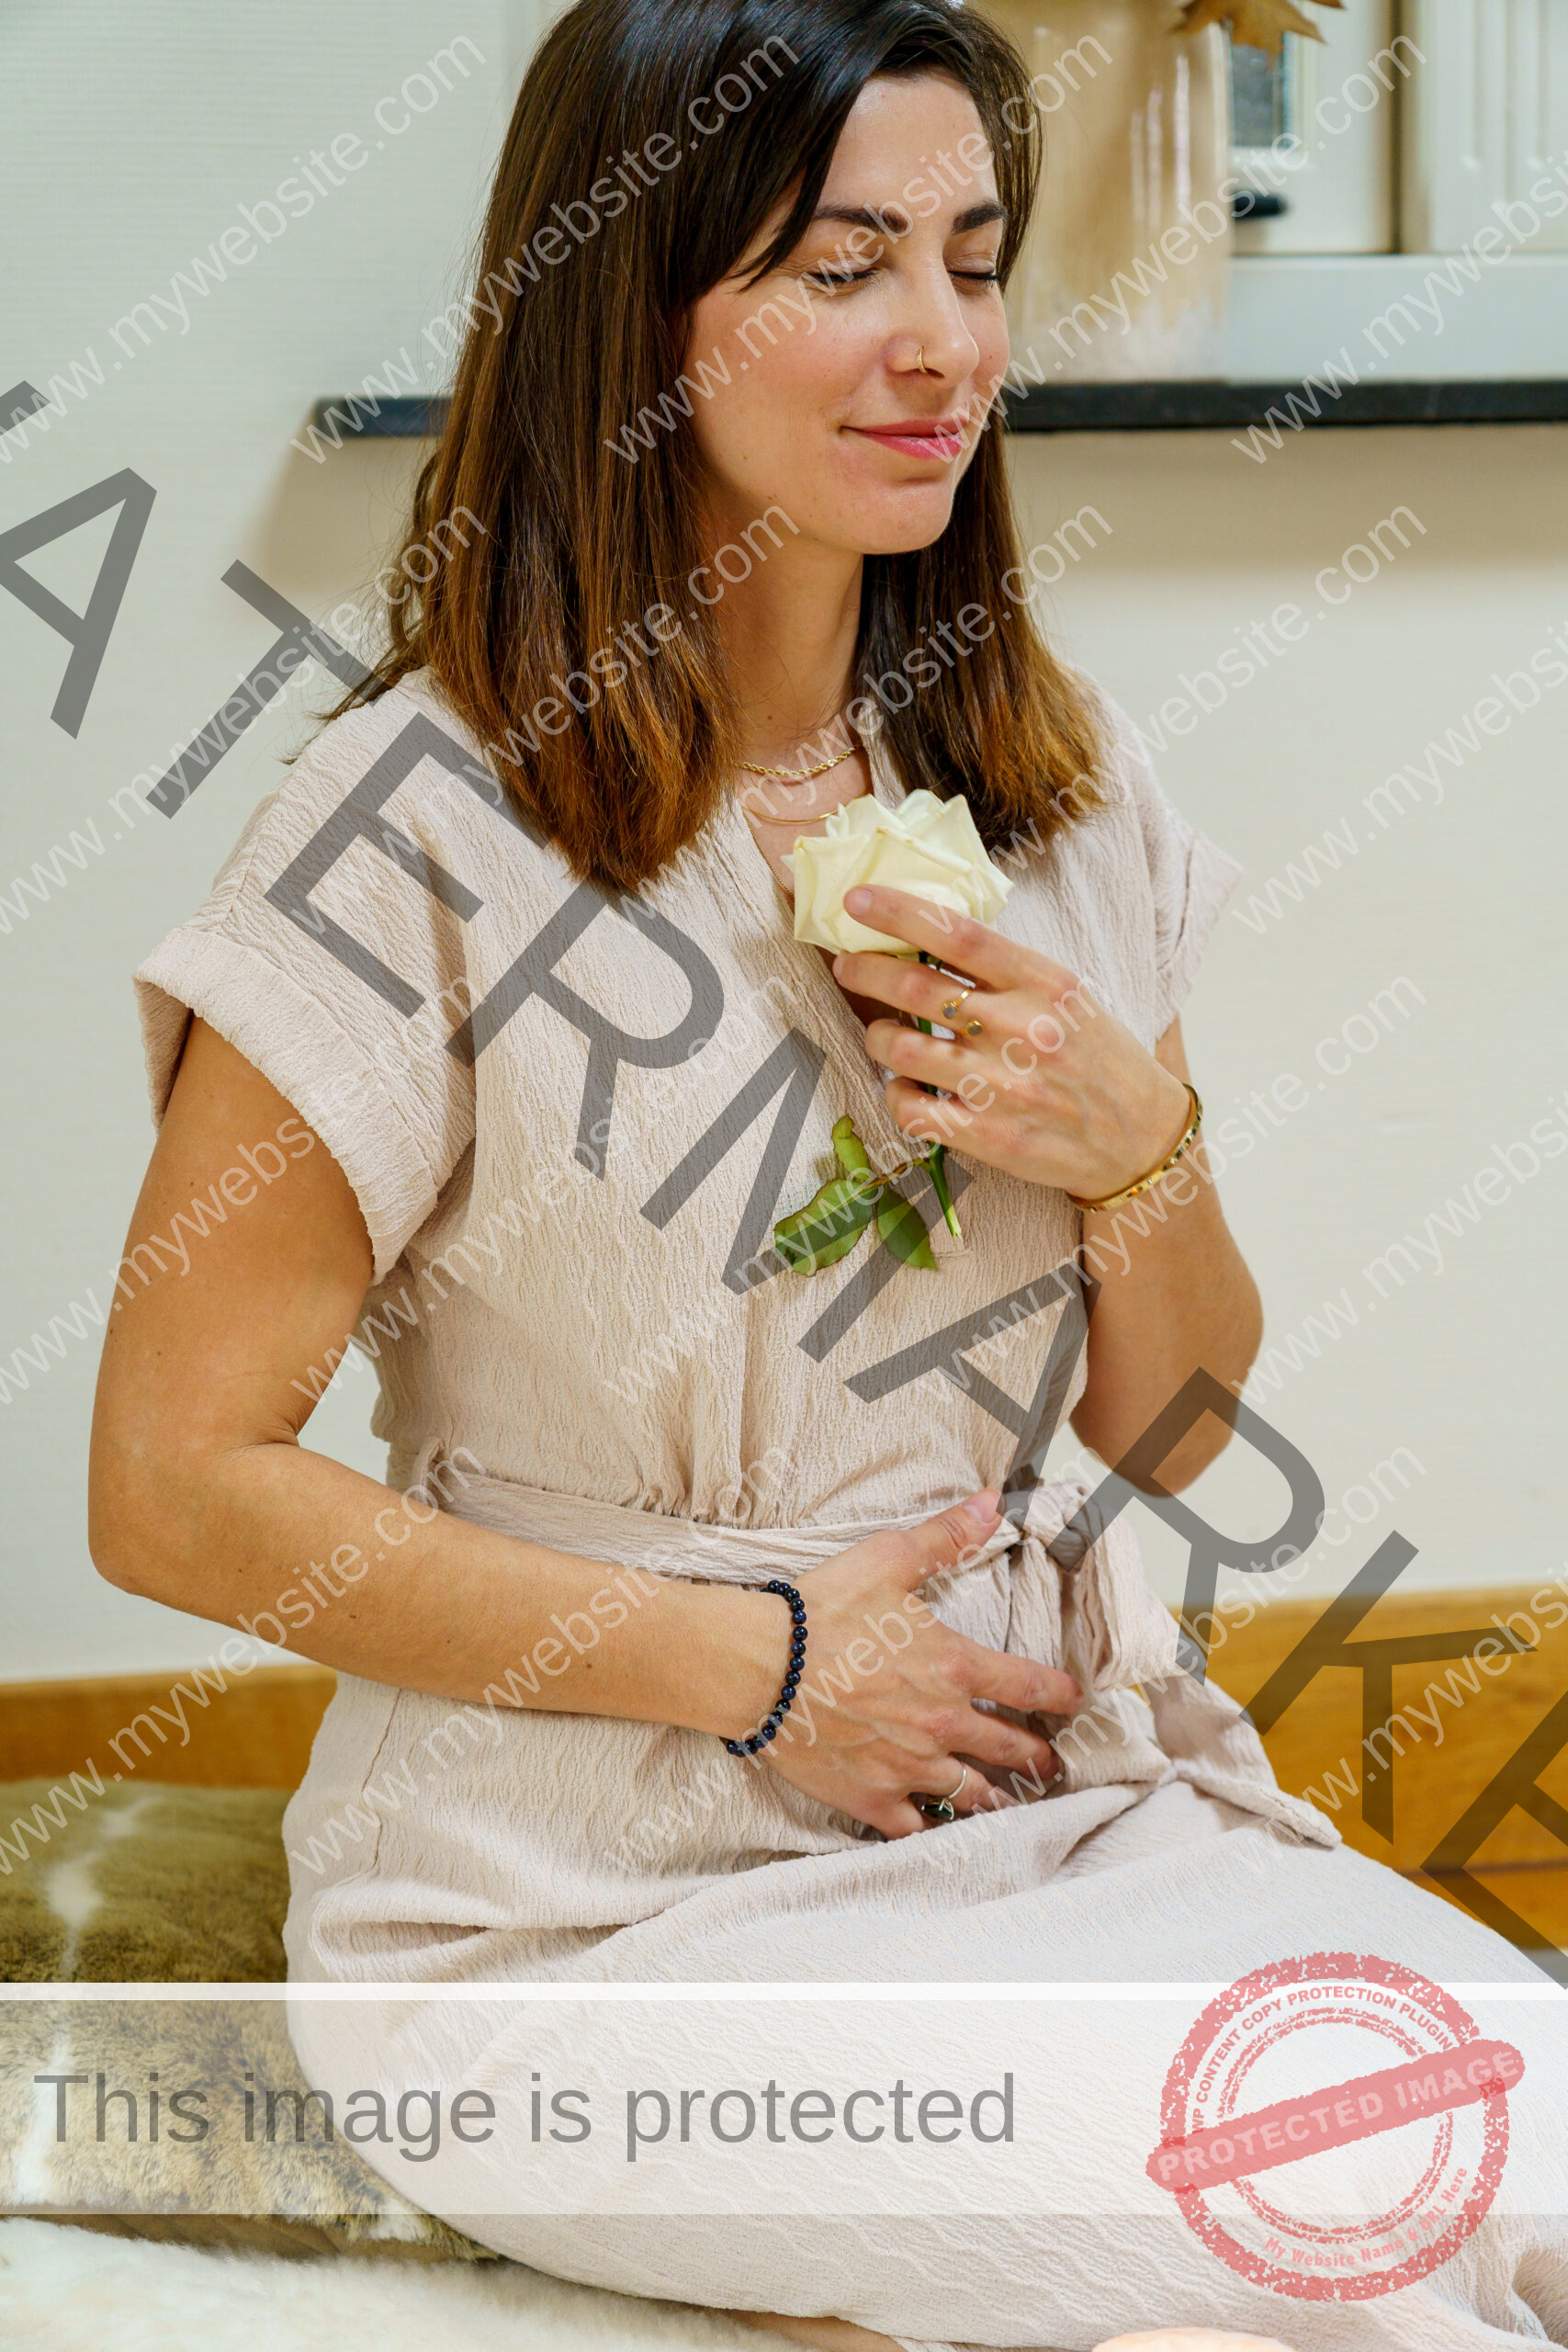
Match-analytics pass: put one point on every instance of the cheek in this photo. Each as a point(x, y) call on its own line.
point(780, 398)
point(751, 433)
point(814, 370)
point(736, 427)
point(990, 335)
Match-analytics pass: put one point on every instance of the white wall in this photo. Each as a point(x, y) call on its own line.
point(1464, 1367)
point(131, 137)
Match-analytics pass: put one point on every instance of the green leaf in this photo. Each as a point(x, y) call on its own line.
point(936, 1168)
point(830, 1223)
point(853, 1155)
point(903, 1230)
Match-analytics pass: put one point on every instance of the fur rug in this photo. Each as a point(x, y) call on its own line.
point(142, 1884)
point(181, 1885)
point(189, 1885)
point(72, 2290)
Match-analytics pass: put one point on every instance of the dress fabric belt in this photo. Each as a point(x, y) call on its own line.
point(1101, 1621)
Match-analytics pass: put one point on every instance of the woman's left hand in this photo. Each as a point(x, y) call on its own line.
point(1053, 1089)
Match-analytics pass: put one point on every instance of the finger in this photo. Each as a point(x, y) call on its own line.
point(897, 1818)
point(918, 988)
point(992, 1739)
point(941, 1118)
point(941, 1793)
point(1021, 1682)
point(975, 1793)
point(958, 939)
point(952, 1536)
point(970, 1793)
point(1022, 1787)
point(935, 1061)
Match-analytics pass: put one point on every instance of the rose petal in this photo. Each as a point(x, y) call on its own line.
point(929, 846)
point(865, 815)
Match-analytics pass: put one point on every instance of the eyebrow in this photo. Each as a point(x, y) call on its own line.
point(883, 223)
point(864, 216)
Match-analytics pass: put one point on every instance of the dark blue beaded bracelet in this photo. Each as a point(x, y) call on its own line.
point(768, 1728)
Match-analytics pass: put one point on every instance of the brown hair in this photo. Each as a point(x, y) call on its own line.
point(536, 624)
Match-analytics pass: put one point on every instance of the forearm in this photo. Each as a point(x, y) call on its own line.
point(200, 1495)
point(1175, 1298)
point(346, 1572)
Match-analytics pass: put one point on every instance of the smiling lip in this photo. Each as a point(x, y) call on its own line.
point(941, 436)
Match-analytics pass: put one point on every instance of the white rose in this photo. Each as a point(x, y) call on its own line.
point(929, 847)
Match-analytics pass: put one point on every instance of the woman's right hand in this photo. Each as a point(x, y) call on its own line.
point(886, 1705)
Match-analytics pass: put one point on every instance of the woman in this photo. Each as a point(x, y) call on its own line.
point(716, 542)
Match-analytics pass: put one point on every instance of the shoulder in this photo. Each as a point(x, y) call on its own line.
point(1135, 883)
point(382, 839)
point(1134, 814)
point(335, 952)
point(405, 764)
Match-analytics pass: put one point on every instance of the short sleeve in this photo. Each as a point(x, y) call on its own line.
point(1189, 878)
point(334, 961)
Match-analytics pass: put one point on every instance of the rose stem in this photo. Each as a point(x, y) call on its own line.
point(936, 1157)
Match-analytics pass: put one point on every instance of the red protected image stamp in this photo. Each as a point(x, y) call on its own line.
point(1303, 2059)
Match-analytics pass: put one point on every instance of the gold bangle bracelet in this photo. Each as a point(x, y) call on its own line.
point(1142, 1184)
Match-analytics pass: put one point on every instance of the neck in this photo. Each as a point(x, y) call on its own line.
point(789, 634)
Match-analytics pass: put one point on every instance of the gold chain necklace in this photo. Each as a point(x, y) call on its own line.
point(802, 776)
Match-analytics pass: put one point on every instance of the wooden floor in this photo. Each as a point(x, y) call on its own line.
point(254, 1734)
point(1435, 1781)
point(257, 1734)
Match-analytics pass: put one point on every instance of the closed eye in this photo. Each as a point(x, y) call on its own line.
point(832, 280)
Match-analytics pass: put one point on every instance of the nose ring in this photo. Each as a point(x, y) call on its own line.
point(920, 362)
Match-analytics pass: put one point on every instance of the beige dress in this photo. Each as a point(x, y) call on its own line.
point(570, 1125)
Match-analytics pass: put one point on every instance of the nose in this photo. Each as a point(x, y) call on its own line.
point(933, 341)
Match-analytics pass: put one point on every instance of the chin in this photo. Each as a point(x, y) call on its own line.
point(884, 521)
point(905, 534)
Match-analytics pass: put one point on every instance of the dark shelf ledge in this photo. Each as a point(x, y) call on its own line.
point(1215, 406)
point(353, 416)
point(1134, 408)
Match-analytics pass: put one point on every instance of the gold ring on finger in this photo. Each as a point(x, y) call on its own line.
point(953, 1013)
